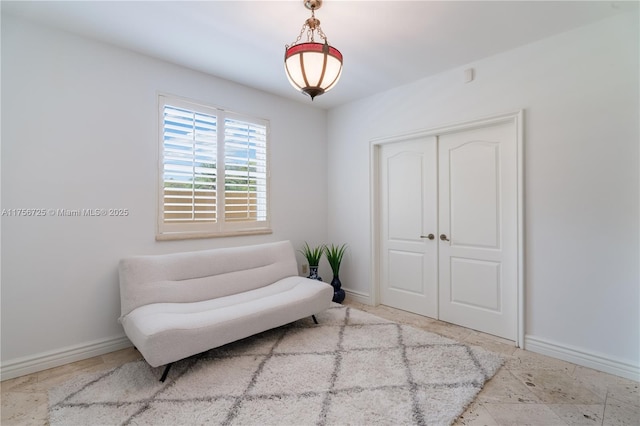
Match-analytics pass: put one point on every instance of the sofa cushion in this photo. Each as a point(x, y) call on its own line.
point(166, 332)
point(202, 275)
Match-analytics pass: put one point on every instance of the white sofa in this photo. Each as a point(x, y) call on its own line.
point(178, 305)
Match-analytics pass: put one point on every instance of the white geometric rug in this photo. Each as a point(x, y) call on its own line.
point(353, 368)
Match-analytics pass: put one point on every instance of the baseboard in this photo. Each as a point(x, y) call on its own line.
point(32, 364)
point(582, 357)
point(357, 296)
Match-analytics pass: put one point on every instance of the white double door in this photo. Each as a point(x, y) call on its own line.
point(449, 227)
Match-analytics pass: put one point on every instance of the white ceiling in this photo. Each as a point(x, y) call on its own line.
point(385, 44)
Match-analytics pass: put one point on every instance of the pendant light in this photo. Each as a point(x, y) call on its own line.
point(312, 68)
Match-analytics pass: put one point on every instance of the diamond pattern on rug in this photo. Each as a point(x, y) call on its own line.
point(357, 372)
point(280, 409)
point(377, 336)
point(191, 386)
point(444, 365)
point(309, 340)
point(382, 406)
point(294, 374)
point(352, 368)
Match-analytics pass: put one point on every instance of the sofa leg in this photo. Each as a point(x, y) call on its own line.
point(166, 371)
point(314, 319)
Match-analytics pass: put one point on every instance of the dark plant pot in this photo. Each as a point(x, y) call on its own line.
point(313, 273)
point(338, 293)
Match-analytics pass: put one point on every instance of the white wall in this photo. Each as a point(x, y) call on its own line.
point(59, 279)
point(580, 92)
point(80, 131)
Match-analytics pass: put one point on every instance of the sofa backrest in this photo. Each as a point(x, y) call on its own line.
point(202, 275)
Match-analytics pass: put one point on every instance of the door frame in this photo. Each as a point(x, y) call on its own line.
point(517, 118)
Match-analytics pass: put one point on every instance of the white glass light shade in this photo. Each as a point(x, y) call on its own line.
point(313, 68)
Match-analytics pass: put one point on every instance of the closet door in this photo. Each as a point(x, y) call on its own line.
point(408, 218)
point(478, 229)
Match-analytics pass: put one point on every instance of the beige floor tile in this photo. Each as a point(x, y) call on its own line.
point(19, 383)
point(525, 360)
point(574, 414)
point(20, 408)
point(617, 413)
point(449, 330)
point(491, 343)
point(554, 387)
point(602, 383)
point(626, 394)
point(505, 388)
point(523, 415)
point(120, 357)
point(64, 370)
point(476, 415)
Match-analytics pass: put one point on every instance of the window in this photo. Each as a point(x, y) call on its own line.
point(213, 172)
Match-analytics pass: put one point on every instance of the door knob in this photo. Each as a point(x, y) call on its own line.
point(443, 237)
point(430, 236)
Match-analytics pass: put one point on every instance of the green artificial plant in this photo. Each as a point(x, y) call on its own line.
point(312, 255)
point(334, 256)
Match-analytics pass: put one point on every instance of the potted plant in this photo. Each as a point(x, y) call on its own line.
point(334, 255)
point(313, 256)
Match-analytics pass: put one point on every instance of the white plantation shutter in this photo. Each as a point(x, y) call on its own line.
point(245, 165)
point(189, 165)
point(213, 178)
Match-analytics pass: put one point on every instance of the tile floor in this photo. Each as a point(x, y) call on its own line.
point(530, 389)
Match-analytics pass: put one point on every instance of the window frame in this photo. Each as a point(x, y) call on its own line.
point(220, 227)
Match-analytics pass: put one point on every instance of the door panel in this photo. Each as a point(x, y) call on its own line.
point(404, 266)
point(408, 210)
point(478, 214)
point(474, 171)
point(405, 195)
point(475, 283)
